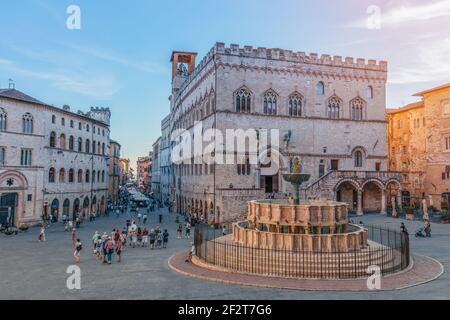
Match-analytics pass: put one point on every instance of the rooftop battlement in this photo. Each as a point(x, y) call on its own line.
point(300, 57)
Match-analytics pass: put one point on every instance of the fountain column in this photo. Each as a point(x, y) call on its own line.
point(359, 211)
point(383, 201)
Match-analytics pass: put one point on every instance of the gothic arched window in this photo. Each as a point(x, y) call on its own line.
point(62, 141)
point(71, 143)
point(369, 92)
point(295, 105)
point(357, 109)
point(52, 139)
point(87, 176)
point(80, 144)
point(51, 175)
point(27, 123)
point(320, 88)
point(62, 175)
point(243, 100)
point(87, 146)
point(358, 159)
point(2, 119)
point(270, 103)
point(80, 175)
point(93, 176)
point(71, 175)
point(334, 106)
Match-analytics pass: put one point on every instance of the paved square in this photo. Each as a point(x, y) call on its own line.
point(32, 270)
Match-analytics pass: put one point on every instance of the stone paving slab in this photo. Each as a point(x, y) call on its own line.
point(424, 269)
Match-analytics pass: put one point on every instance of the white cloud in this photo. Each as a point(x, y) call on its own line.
point(426, 63)
point(145, 66)
point(86, 83)
point(407, 13)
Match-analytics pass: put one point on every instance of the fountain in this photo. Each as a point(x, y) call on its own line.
point(296, 179)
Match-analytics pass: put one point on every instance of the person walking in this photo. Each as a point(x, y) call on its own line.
point(139, 216)
point(74, 236)
point(64, 219)
point(94, 239)
point(119, 250)
point(98, 247)
point(188, 230)
point(152, 236)
point(41, 236)
point(165, 238)
point(144, 219)
point(77, 252)
point(224, 230)
point(109, 249)
point(159, 240)
point(427, 228)
point(160, 217)
point(180, 231)
point(145, 237)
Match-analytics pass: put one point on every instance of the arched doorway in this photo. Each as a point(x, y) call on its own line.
point(372, 196)
point(76, 208)
point(13, 186)
point(94, 205)
point(102, 205)
point(54, 210)
point(66, 207)
point(85, 207)
point(394, 195)
point(347, 191)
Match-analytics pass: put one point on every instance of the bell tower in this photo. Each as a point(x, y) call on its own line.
point(183, 64)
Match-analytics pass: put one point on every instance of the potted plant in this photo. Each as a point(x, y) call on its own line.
point(409, 213)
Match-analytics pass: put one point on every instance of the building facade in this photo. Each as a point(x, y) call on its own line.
point(114, 171)
point(125, 172)
point(52, 161)
point(419, 147)
point(164, 161)
point(142, 173)
point(156, 170)
point(330, 117)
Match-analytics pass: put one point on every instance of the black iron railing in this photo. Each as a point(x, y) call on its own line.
point(389, 251)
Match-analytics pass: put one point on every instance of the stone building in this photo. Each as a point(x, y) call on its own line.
point(125, 171)
point(419, 147)
point(164, 161)
point(156, 170)
point(142, 173)
point(52, 161)
point(114, 171)
point(329, 112)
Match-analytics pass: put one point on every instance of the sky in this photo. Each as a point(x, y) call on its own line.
point(119, 58)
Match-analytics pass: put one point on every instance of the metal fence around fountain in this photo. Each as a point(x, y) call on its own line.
point(390, 255)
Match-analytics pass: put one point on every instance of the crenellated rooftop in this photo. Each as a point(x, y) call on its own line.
point(302, 57)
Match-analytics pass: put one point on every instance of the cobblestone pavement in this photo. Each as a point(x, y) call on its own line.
point(33, 270)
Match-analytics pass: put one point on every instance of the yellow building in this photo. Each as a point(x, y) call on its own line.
point(419, 147)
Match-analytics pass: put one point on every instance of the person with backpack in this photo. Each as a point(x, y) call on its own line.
point(165, 238)
point(77, 253)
